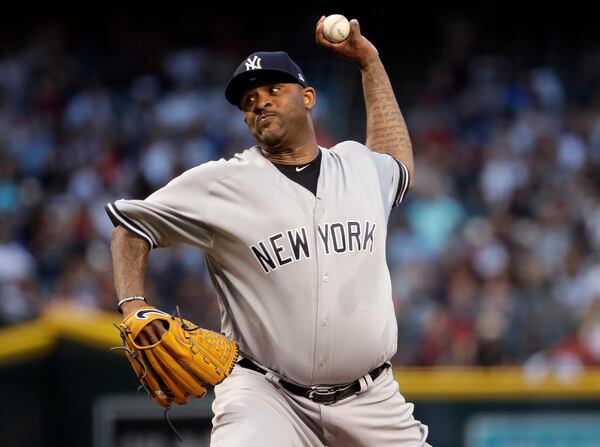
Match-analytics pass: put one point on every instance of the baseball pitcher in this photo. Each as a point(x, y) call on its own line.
point(294, 236)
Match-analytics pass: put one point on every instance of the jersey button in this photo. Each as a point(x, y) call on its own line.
point(312, 199)
point(325, 278)
point(324, 323)
point(322, 363)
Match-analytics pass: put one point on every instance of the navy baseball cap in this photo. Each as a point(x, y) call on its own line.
point(263, 66)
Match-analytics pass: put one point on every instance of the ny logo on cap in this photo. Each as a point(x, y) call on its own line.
point(253, 64)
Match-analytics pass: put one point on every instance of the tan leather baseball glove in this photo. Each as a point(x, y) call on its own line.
point(182, 362)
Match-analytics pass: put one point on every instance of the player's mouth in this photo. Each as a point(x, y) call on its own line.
point(265, 119)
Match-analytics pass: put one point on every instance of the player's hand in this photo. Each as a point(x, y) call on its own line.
point(357, 48)
point(181, 362)
point(153, 332)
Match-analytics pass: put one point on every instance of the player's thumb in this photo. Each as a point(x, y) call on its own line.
point(354, 27)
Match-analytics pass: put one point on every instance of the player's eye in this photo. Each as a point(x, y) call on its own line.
point(275, 89)
point(248, 101)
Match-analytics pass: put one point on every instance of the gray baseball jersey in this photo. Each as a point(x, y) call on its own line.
point(302, 280)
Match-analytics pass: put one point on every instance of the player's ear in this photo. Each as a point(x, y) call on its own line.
point(310, 97)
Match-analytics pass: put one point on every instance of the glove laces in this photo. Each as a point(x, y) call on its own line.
point(134, 356)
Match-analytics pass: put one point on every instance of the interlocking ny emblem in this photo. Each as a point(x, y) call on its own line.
point(253, 64)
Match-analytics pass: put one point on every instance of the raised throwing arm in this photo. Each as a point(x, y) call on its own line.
point(386, 128)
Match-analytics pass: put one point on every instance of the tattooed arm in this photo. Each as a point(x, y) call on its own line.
point(386, 129)
point(129, 257)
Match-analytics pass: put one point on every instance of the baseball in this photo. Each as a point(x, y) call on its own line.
point(336, 28)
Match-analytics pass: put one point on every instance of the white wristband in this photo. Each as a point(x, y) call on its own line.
point(127, 299)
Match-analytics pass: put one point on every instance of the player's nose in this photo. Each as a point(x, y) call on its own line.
point(263, 101)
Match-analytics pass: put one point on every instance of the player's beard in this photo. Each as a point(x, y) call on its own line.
point(283, 132)
point(271, 141)
point(270, 135)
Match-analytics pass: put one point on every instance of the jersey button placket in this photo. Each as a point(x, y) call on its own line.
point(324, 321)
point(323, 334)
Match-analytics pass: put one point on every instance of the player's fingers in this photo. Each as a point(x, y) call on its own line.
point(151, 334)
point(154, 331)
point(159, 328)
point(143, 339)
point(319, 29)
point(320, 24)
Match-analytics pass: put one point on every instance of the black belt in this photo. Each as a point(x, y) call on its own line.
point(320, 395)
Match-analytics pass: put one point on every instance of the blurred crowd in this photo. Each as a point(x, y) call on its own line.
point(494, 254)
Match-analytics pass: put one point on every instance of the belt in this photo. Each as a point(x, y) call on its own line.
point(318, 394)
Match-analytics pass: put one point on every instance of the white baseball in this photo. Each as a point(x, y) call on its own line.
point(336, 28)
